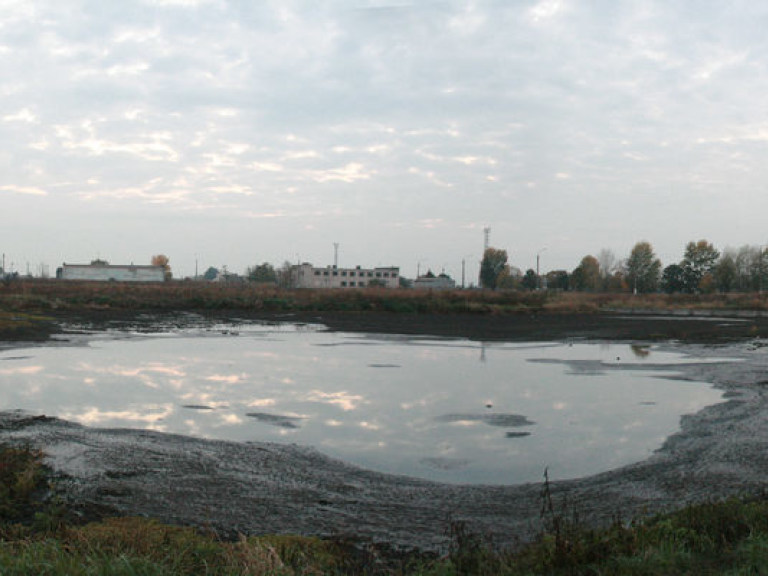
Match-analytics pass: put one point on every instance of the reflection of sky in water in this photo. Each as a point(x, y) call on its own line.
point(448, 410)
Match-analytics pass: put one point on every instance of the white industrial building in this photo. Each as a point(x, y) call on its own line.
point(100, 271)
point(307, 276)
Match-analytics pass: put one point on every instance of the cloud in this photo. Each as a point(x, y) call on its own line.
point(350, 173)
point(431, 176)
point(26, 190)
point(198, 114)
point(23, 115)
point(546, 9)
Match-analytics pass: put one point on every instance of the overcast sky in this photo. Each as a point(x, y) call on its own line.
point(234, 132)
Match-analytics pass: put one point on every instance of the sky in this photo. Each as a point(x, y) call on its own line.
point(231, 132)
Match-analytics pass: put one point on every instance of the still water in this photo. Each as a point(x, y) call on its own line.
point(442, 409)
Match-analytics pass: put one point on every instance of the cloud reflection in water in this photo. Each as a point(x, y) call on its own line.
point(428, 415)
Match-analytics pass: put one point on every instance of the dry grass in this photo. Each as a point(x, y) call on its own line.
point(41, 296)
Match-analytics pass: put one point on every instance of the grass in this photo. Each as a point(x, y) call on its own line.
point(728, 537)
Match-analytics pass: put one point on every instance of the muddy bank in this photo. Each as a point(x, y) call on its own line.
point(270, 488)
point(701, 326)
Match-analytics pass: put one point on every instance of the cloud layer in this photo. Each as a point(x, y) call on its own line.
point(231, 132)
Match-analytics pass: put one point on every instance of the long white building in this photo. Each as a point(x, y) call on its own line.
point(100, 271)
point(307, 276)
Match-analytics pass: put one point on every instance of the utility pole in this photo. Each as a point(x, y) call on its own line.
point(538, 277)
point(486, 245)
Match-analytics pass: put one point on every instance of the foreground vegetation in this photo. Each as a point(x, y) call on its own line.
point(37, 536)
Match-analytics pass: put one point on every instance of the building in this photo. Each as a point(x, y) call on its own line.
point(431, 282)
point(307, 276)
point(101, 271)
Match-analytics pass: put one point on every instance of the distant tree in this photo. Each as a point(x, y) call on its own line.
point(699, 259)
point(404, 282)
point(752, 268)
point(262, 274)
point(726, 273)
point(643, 269)
point(510, 278)
point(493, 263)
point(616, 282)
point(530, 280)
point(673, 279)
point(557, 280)
point(162, 260)
point(586, 276)
point(608, 262)
point(708, 284)
point(284, 277)
point(211, 273)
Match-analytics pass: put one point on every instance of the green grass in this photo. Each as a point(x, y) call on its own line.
point(728, 537)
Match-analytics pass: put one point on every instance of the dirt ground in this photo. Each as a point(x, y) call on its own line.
point(269, 488)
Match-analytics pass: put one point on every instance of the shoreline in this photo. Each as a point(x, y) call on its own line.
point(268, 488)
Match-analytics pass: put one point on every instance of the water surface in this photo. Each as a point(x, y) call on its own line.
point(443, 409)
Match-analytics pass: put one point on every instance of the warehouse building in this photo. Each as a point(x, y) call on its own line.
point(307, 276)
point(101, 271)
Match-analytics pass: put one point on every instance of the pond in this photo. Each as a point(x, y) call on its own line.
point(443, 409)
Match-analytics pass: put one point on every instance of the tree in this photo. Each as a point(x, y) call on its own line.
point(285, 278)
point(162, 260)
point(262, 273)
point(211, 274)
point(557, 280)
point(726, 273)
point(752, 268)
point(673, 279)
point(586, 276)
point(494, 261)
point(643, 268)
point(510, 278)
point(699, 259)
point(616, 282)
point(530, 280)
point(608, 262)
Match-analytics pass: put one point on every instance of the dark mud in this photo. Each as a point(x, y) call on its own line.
point(701, 326)
point(269, 488)
point(689, 326)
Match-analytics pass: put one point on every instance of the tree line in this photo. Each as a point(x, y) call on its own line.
point(703, 269)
